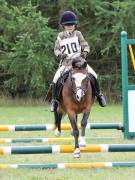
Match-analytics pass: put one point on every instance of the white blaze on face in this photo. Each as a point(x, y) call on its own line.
point(78, 78)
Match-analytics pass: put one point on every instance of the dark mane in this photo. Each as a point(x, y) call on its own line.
point(79, 63)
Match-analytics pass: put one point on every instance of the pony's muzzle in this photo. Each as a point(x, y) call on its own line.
point(79, 95)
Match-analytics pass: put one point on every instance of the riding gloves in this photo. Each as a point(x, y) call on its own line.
point(84, 54)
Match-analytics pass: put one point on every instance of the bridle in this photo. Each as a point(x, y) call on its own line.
point(76, 88)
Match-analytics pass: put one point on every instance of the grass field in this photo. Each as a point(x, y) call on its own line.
point(41, 115)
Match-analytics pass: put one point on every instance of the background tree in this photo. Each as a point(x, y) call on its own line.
point(27, 35)
point(26, 50)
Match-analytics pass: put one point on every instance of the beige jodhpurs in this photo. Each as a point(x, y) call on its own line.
point(63, 69)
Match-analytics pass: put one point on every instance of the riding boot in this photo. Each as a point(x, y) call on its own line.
point(100, 98)
point(54, 102)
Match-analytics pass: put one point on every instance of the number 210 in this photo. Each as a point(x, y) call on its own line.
point(71, 48)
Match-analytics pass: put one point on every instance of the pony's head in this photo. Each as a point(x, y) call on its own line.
point(79, 78)
point(80, 83)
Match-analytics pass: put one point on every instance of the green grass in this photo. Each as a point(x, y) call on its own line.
point(41, 115)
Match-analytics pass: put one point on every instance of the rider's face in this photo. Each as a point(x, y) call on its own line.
point(69, 27)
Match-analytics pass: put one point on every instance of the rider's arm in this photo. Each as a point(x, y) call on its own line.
point(83, 43)
point(57, 50)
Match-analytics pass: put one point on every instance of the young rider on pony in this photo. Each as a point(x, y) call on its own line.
point(70, 44)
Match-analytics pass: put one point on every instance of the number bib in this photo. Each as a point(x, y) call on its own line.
point(71, 46)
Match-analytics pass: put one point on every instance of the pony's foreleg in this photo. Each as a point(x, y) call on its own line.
point(71, 127)
point(82, 142)
point(58, 117)
point(76, 135)
point(76, 118)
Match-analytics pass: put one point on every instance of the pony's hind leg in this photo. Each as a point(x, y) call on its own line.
point(76, 135)
point(82, 142)
point(57, 117)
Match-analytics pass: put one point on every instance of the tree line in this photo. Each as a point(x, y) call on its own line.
point(28, 30)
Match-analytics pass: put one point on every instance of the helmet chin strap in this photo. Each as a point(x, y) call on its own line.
point(68, 32)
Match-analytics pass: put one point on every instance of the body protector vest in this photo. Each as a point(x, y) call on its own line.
point(71, 47)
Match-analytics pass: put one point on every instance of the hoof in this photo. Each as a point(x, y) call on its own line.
point(77, 153)
point(57, 133)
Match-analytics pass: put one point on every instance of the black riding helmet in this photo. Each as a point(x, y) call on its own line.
point(68, 17)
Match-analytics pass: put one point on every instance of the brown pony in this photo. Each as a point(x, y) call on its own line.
point(76, 98)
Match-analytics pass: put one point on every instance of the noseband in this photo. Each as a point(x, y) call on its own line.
point(78, 88)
